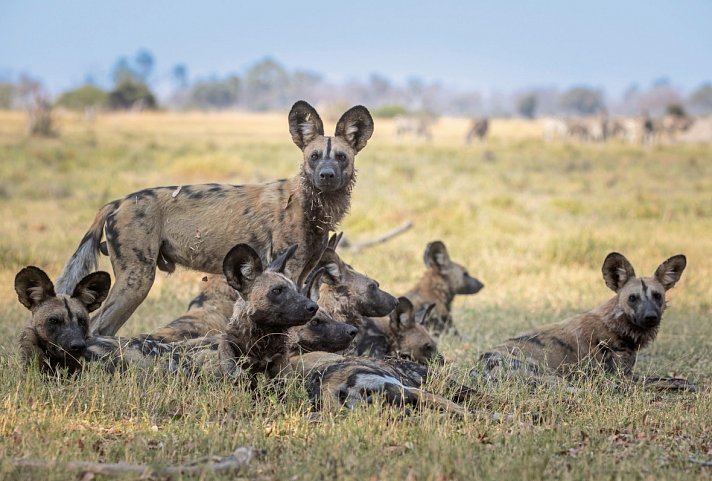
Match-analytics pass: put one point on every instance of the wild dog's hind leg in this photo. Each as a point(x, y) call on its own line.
point(133, 249)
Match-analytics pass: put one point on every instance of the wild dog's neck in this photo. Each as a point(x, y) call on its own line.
point(617, 321)
point(435, 289)
point(324, 210)
point(336, 302)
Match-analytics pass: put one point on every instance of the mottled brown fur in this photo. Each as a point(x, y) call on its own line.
point(335, 381)
point(608, 337)
point(348, 295)
point(196, 225)
point(401, 334)
point(441, 282)
point(256, 340)
point(208, 313)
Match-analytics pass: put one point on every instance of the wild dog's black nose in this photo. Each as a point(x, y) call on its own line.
point(651, 318)
point(312, 307)
point(327, 173)
point(352, 330)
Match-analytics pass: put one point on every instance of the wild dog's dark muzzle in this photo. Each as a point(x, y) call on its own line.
point(327, 176)
point(473, 285)
point(648, 315)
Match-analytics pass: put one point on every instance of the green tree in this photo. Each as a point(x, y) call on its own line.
point(583, 101)
point(130, 94)
point(527, 105)
point(217, 94)
point(84, 97)
point(266, 84)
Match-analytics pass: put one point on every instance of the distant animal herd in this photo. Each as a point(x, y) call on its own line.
point(641, 130)
point(278, 301)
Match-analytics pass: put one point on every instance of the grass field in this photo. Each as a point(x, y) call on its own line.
point(533, 221)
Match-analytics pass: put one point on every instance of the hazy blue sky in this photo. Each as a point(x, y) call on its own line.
point(494, 45)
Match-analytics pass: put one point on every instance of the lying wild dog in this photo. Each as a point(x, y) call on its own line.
point(334, 381)
point(208, 313)
point(607, 337)
point(348, 295)
point(401, 335)
point(192, 340)
point(195, 226)
point(57, 334)
point(443, 280)
point(256, 340)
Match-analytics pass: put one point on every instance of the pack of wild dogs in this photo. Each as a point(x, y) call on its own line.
point(278, 301)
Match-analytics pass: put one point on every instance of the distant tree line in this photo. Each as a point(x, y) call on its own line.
point(268, 85)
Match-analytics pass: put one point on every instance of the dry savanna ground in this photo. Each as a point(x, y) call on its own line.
point(533, 221)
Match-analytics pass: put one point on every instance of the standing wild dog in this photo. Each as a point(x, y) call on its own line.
point(401, 335)
point(56, 336)
point(443, 280)
point(195, 226)
point(609, 336)
point(256, 339)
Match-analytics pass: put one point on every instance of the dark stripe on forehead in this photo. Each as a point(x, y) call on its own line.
point(70, 315)
point(327, 152)
point(645, 287)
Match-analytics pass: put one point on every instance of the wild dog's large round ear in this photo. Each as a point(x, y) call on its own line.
point(436, 255)
point(403, 316)
point(33, 287)
point(331, 262)
point(617, 271)
point(241, 266)
point(669, 272)
point(93, 289)
point(312, 284)
point(423, 315)
point(280, 262)
point(305, 125)
point(355, 127)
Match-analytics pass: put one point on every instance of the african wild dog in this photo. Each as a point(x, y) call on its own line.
point(56, 336)
point(346, 294)
point(256, 340)
point(192, 355)
point(401, 334)
point(334, 381)
point(607, 337)
point(195, 226)
point(443, 280)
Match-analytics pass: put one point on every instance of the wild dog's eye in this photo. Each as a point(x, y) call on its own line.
point(466, 274)
point(632, 298)
point(314, 156)
point(277, 291)
point(657, 296)
point(54, 321)
point(340, 156)
point(372, 286)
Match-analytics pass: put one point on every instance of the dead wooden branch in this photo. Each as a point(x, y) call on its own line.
point(234, 462)
point(358, 246)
